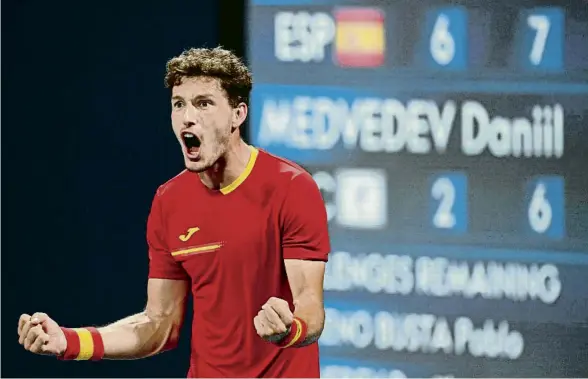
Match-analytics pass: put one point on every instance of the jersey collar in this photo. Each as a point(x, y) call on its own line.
point(241, 178)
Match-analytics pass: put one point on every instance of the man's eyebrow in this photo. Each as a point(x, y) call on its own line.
point(204, 95)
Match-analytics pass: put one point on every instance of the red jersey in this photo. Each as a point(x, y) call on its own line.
point(231, 244)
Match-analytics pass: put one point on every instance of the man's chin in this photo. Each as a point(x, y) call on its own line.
point(198, 166)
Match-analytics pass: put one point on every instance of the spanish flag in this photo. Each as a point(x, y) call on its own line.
point(360, 38)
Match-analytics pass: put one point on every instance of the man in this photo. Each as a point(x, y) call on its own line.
point(244, 230)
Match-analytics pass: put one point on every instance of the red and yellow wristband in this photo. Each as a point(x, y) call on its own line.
point(297, 334)
point(83, 344)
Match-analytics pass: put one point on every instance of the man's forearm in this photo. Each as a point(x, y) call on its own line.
point(310, 309)
point(139, 336)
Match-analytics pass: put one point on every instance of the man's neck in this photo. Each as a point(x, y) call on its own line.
point(228, 168)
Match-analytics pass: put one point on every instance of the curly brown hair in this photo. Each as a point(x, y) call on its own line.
point(233, 75)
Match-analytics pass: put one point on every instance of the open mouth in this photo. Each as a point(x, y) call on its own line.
point(192, 144)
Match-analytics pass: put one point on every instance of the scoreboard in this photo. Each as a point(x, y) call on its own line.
point(450, 143)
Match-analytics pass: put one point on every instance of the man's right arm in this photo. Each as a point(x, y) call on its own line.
point(144, 334)
point(154, 330)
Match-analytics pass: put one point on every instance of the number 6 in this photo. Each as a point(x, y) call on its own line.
point(442, 44)
point(539, 212)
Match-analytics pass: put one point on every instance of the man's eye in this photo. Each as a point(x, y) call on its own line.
point(178, 104)
point(204, 103)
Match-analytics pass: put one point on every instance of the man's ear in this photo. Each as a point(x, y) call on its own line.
point(239, 115)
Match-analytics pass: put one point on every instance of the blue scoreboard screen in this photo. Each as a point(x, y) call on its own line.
point(450, 143)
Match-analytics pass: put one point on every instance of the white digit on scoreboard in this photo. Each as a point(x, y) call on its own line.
point(449, 202)
point(446, 41)
point(443, 190)
point(540, 24)
point(545, 207)
point(541, 38)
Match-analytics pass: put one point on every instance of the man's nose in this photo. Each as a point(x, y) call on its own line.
point(189, 116)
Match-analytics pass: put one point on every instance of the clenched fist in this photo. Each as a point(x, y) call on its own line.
point(273, 321)
point(41, 335)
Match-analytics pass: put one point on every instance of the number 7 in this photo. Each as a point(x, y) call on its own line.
point(541, 25)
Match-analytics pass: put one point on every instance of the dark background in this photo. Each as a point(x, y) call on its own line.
point(86, 141)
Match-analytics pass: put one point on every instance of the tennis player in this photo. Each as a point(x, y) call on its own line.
point(244, 231)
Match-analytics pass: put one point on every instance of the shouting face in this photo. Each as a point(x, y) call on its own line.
point(203, 121)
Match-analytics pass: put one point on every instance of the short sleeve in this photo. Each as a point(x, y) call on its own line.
point(161, 263)
point(305, 232)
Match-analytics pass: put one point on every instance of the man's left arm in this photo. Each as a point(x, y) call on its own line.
point(306, 283)
point(305, 248)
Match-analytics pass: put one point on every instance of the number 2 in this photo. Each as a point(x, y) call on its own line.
point(444, 191)
point(541, 25)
